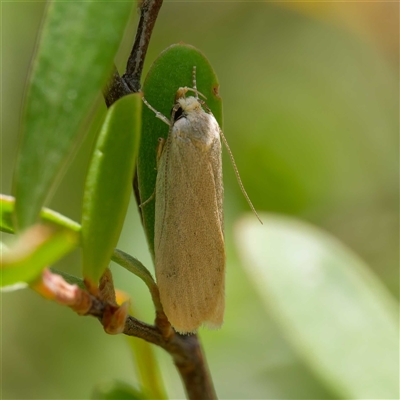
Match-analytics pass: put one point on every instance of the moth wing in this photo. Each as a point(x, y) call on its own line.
point(189, 242)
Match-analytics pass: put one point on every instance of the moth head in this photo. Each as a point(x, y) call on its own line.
point(181, 93)
point(185, 105)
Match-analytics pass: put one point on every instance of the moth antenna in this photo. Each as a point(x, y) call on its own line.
point(194, 82)
point(238, 176)
point(158, 114)
point(183, 90)
point(234, 165)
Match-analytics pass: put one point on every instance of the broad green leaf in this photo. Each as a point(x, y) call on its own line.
point(38, 247)
point(73, 60)
point(170, 71)
point(7, 204)
point(333, 310)
point(117, 391)
point(109, 184)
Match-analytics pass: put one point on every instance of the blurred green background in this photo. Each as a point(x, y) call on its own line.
point(311, 112)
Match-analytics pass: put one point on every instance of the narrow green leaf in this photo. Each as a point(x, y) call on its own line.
point(72, 63)
point(117, 391)
point(170, 71)
point(334, 311)
point(7, 204)
point(38, 247)
point(49, 216)
point(109, 184)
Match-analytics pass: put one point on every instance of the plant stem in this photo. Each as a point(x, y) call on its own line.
point(192, 366)
point(185, 350)
point(115, 88)
point(187, 353)
point(148, 15)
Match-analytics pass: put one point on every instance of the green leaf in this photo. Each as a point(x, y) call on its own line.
point(117, 391)
point(49, 216)
point(7, 204)
point(72, 63)
point(170, 71)
point(37, 248)
point(333, 310)
point(109, 185)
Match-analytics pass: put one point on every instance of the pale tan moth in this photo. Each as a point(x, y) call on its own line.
point(189, 240)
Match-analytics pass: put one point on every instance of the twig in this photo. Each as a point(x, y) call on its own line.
point(185, 350)
point(192, 366)
point(118, 86)
point(115, 88)
point(148, 15)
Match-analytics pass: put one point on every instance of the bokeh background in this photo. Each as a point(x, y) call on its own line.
point(311, 112)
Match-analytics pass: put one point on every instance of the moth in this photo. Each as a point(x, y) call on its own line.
point(189, 240)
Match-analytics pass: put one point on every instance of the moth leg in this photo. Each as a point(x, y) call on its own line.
point(141, 205)
point(158, 114)
point(176, 107)
point(160, 148)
